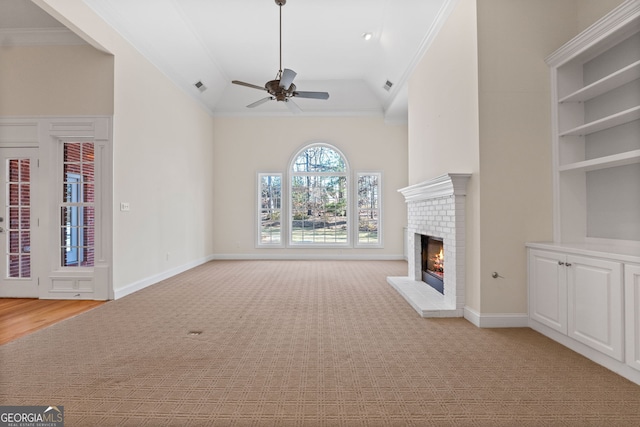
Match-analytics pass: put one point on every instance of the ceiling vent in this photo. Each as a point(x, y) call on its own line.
point(200, 86)
point(387, 86)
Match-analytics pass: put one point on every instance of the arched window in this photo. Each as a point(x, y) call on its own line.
point(319, 207)
point(319, 187)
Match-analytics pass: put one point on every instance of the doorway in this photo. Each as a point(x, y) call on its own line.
point(18, 223)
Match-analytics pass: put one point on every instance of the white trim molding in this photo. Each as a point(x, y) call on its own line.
point(496, 320)
point(152, 280)
point(444, 185)
point(596, 33)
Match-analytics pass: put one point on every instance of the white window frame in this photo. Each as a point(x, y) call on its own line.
point(291, 174)
point(61, 203)
point(283, 218)
point(356, 220)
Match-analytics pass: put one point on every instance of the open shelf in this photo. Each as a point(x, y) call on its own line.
point(622, 159)
point(610, 82)
point(613, 120)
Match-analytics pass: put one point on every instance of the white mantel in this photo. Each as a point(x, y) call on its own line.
point(436, 208)
point(444, 185)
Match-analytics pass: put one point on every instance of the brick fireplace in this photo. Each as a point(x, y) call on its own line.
point(435, 208)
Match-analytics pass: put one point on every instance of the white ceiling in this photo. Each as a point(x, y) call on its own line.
point(216, 41)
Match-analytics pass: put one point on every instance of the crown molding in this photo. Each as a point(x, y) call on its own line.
point(625, 17)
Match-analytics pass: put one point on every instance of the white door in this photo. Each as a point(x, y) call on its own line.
point(18, 222)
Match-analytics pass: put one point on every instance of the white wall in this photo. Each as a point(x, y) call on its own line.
point(55, 80)
point(443, 121)
point(162, 156)
point(244, 147)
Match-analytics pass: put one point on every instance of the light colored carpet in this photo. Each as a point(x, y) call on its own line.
point(298, 343)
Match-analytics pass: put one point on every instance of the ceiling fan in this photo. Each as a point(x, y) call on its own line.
point(282, 87)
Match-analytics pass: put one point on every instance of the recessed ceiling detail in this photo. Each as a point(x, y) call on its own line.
point(220, 40)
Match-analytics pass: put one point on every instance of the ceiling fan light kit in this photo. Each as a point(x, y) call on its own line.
point(282, 87)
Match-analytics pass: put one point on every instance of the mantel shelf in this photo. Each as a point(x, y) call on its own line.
point(610, 82)
point(622, 159)
point(605, 123)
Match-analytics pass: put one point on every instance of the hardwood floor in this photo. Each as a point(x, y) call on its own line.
point(22, 316)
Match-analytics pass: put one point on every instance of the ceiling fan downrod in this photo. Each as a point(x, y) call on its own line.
point(282, 88)
point(280, 3)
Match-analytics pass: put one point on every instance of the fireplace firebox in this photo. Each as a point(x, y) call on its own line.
point(433, 262)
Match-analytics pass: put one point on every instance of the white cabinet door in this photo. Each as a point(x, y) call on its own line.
point(548, 289)
point(632, 310)
point(595, 306)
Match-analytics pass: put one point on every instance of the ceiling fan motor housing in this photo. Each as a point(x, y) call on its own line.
point(277, 91)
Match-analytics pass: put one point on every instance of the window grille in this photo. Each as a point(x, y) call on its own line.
point(270, 209)
point(77, 209)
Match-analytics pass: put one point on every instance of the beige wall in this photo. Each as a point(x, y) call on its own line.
point(443, 121)
point(515, 145)
point(515, 129)
point(55, 80)
point(163, 152)
point(245, 147)
point(504, 138)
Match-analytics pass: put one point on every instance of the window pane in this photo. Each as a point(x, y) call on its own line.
point(270, 209)
point(319, 210)
point(18, 214)
point(368, 208)
point(319, 159)
point(77, 213)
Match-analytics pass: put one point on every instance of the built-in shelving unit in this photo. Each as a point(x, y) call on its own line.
point(584, 286)
point(596, 131)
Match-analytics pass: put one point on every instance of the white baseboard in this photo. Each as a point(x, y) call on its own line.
point(141, 284)
point(496, 320)
point(310, 257)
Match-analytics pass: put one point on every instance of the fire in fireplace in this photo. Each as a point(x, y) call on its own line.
point(433, 262)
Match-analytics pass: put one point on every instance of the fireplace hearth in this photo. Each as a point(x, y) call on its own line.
point(435, 247)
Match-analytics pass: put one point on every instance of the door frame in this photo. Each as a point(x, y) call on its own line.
point(46, 134)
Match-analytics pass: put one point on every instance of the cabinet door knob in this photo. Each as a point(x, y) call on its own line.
point(560, 263)
point(568, 264)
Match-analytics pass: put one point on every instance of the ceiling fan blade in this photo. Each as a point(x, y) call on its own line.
point(313, 95)
point(238, 82)
point(292, 106)
point(260, 102)
point(287, 78)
